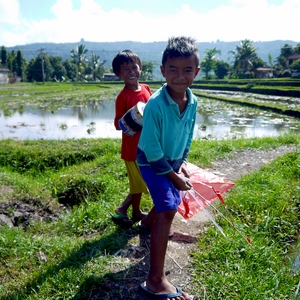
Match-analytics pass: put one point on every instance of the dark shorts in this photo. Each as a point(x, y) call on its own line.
point(164, 195)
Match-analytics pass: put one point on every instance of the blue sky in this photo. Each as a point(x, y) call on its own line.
point(30, 21)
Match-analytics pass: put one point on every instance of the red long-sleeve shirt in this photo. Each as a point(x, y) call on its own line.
point(125, 100)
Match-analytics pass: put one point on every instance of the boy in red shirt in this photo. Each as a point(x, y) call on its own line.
point(127, 65)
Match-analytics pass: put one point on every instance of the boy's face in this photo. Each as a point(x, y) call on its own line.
point(180, 72)
point(130, 72)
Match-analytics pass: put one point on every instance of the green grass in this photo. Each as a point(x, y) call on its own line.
point(265, 206)
point(211, 150)
point(89, 177)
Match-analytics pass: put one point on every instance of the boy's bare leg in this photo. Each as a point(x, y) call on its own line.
point(137, 214)
point(150, 218)
point(157, 281)
point(135, 201)
point(123, 207)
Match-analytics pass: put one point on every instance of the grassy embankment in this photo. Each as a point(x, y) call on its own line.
point(88, 175)
point(275, 86)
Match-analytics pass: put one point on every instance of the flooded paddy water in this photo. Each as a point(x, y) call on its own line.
point(90, 114)
point(220, 120)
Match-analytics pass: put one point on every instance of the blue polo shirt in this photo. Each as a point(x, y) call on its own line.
point(167, 134)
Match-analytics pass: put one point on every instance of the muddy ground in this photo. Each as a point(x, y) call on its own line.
point(130, 265)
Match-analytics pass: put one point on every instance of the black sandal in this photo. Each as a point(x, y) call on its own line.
point(121, 220)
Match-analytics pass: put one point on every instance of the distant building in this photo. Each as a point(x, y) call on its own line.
point(263, 72)
point(4, 79)
point(110, 77)
point(293, 57)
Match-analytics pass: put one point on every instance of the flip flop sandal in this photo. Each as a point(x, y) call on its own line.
point(153, 295)
point(121, 220)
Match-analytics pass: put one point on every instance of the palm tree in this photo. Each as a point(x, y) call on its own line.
point(271, 60)
point(243, 56)
point(79, 58)
point(147, 70)
point(208, 62)
point(96, 66)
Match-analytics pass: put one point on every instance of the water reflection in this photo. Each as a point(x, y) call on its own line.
point(220, 120)
point(78, 121)
point(215, 120)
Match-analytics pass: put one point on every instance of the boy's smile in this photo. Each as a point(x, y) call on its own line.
point(130, 73)
point(179, 73)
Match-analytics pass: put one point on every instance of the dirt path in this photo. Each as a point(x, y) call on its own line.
point(136, 255)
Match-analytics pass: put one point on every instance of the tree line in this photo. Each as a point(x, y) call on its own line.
point(80, 67)
point(246, 61)
point(84, 66)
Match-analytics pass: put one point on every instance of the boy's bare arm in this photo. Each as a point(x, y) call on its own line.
point(184, 170)
point(180, 182)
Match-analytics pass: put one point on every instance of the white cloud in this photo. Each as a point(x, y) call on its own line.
point(9, 12)
point(62, 8)
point(255, 20)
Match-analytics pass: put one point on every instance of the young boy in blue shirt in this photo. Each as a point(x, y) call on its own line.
point(168, 125)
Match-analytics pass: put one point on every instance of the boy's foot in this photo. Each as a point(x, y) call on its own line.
point(121, 211)
point(178, 295)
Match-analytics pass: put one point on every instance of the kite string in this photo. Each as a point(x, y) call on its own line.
point(220, 213)
point(208, 215)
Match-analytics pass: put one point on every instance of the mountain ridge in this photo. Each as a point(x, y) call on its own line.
point(31, 50)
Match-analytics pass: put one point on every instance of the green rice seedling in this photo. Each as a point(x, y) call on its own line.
point(63, 126)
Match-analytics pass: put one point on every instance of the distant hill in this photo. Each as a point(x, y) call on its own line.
point(147, 51)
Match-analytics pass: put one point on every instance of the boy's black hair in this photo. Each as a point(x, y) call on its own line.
point(181, 46)
point(125, 56)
